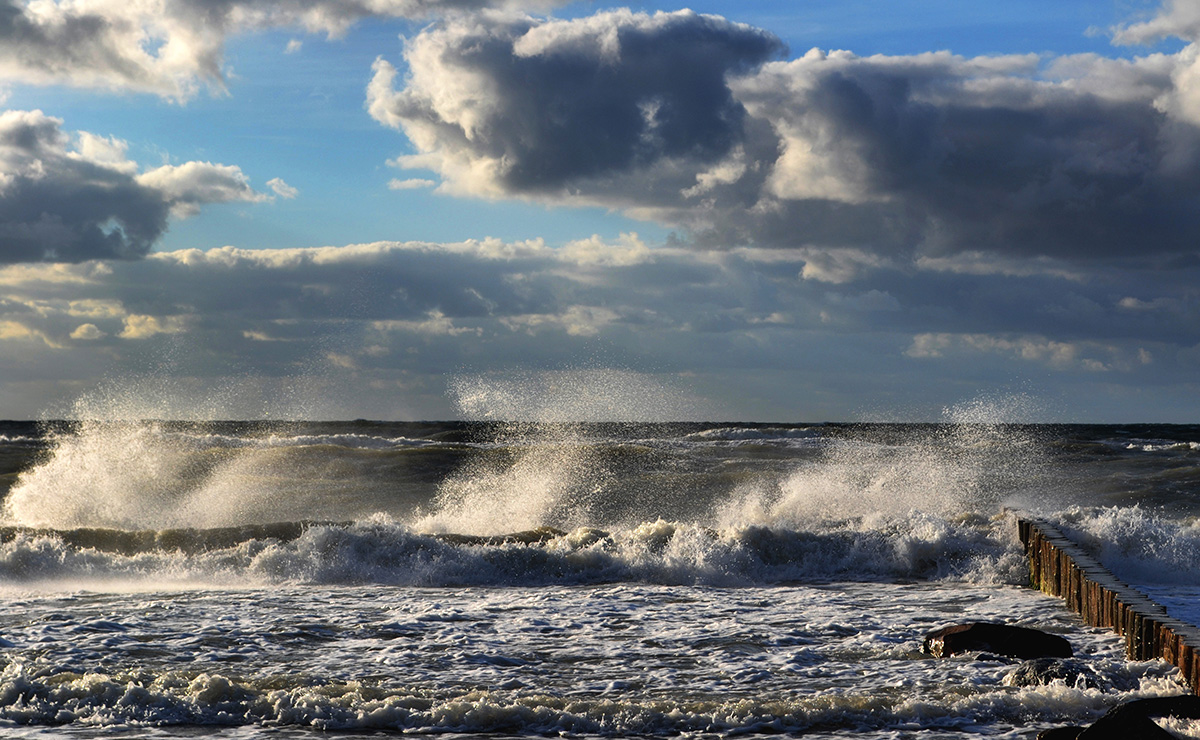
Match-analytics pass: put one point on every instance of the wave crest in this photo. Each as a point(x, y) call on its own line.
point(381, 551)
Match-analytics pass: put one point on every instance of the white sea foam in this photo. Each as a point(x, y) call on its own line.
point(602, 661)
point(918, 506)
point(1140, 545)
point(737, 434)
point(552, 476)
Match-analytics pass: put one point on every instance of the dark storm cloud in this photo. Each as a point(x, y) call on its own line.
point(480, 296)
point(530, 107)
point(682, 119)
point(70, 200)
point(937, 154)
point(55, 206)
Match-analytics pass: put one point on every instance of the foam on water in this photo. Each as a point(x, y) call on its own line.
point(1138, 544)
point(597, 662)
point(100, 699)
point(388, 553)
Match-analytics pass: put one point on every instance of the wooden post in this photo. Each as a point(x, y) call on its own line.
point(1061, 568)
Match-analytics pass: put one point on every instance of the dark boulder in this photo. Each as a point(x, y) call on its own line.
point(1000, 639)
point(1134, 719)
point(1043, 671)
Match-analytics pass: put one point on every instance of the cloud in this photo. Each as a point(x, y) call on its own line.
point(410, 184)
point(171, 48)
point(70, 199)
point(1175, 18)
point(59, 203)
point(193, 184)
point(370, 316)
point(570, 109)
point(15, 330)
point(686, 120)
point(436, 323)
point(1082, 356)
point(282, 189)
point(87, 332)
point(577, 321)
point(936, 155)
point(138, 326)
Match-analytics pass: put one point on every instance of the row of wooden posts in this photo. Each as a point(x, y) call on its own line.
point(1061, 568)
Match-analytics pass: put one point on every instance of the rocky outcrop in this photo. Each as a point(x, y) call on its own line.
point(1044, 671)
point(998, 639)
point(1132, 720)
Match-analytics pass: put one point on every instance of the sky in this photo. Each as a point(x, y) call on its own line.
point(761, 211)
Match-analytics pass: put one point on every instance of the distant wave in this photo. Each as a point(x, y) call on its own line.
point(757, 434)
point(19, 439)
point(1162, 446)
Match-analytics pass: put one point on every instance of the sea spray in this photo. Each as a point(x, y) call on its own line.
point(977, 461)
point(152, 475)
point(1138, 544)
point(660, 503)
point(552, 471)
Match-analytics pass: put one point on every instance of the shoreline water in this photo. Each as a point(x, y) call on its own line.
point(167, 578)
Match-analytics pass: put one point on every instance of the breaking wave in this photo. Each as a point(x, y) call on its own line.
point(385, 552)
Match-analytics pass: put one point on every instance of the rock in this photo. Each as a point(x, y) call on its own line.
point(1001, 639)
point(1043, 671)
point(1133, 719)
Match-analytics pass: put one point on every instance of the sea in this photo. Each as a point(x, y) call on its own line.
point(532, 578)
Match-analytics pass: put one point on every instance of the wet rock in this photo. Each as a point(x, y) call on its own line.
point(1134, 719)
point(1000, 639)
point(1043, 671)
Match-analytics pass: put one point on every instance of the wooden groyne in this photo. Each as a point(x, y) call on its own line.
point(1059, 567)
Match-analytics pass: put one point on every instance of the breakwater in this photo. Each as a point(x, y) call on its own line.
point(1059, 567)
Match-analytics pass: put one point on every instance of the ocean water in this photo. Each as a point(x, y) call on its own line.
point(552, 578)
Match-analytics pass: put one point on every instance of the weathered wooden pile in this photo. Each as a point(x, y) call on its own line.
point(1061, 568)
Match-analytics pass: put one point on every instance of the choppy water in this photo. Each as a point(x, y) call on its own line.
point(161, 579)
